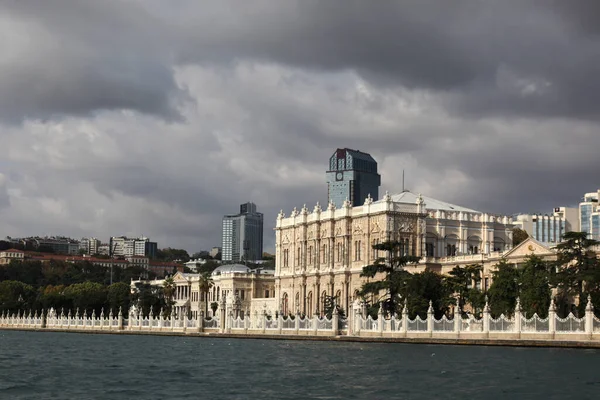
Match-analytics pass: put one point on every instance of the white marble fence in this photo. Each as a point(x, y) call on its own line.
point(231, 321)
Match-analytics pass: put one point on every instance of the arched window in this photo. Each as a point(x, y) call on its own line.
point(310, 255)
point(299, 255)
point(323, 299)
point(309, 304)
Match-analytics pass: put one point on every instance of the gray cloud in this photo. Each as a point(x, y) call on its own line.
point(139, 118)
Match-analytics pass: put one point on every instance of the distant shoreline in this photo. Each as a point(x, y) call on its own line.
point(547, 343)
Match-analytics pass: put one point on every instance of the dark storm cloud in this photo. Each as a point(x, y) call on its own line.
point(489, 104)
point(72, 58)
point(490, 57)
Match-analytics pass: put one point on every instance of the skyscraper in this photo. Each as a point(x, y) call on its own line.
point(243, 235)
point(352, 175)
point(589, 215)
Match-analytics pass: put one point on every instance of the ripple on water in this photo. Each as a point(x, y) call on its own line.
point(37, 365)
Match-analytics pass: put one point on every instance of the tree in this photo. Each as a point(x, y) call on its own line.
point(331, 303)
point(519, 235)
point(214, 306)
point(534, 287)
point(146, 296)
point(53, 296)
point(87, 296)
point(576, 265)
point(390, 273)
point(15, 295)
point(205, 283)
point(118, 296)
point(460, 281)
point(168, 293)
point(425, 287)
point(504, 290)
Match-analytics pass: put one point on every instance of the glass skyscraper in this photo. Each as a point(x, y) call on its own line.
point(589, 215)
point(352, 175)
point(243, 235)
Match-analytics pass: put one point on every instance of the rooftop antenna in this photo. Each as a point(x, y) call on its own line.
point(403, 180)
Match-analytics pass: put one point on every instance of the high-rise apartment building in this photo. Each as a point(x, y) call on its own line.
point(243, 235)
point(589, 215)
point(547, 228)
point(352, 175)
point(127, 247)
point(89, 245)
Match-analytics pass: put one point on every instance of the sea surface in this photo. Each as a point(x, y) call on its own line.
point(46, 365)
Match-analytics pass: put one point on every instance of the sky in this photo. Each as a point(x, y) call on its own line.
point(145, 117)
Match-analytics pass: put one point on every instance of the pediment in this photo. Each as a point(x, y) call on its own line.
point(528, 247)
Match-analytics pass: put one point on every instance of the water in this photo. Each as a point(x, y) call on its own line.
point(45, 365)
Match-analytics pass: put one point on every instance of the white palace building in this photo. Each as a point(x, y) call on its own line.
point(322, 252)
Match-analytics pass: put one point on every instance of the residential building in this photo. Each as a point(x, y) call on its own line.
point(322, 253)
point(89, 246)
point(214, 252)
point(352, 176)
point(243, 235)
point(548, 228)
point(7, 256)
point(589, 215)
point(122, 246)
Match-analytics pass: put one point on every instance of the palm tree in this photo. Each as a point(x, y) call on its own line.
point(169, 292)
point(205, 283)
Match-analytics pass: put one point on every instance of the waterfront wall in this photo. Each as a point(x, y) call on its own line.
point(516, 327)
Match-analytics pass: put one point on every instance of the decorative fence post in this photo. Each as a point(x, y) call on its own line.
point(201, 322)
point(229, 322)
point(380, 320)
point(405, 318)
point(185, 320)
point(430, 318)
point(120, 319)
point(335, 321)
point(552, 318)
point(247, 321)
point(264, 322)
point(279, 322)
point(297, 322)
point(589, 317)
point(223, 319)
point(457, 318)
point(357, 321)
point(486, 319)
point(316, 322)
point(518, 317)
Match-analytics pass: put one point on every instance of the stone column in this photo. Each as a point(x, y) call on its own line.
point(589, 317)
point(430, 318)
point(357, 321)
point(297, 322)
point(518, 317)
point(486, 319)
point(316, 323)
point(552, 318)
point(264, 322)
point(335, 321)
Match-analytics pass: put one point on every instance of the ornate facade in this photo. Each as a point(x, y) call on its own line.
point(322, 253)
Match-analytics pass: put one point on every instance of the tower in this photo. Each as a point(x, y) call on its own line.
point(352, 175)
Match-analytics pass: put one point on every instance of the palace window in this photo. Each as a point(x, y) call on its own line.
point(299, 256)
point(324, 254)
point(310, 255)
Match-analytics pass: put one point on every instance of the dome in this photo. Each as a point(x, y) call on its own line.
point(231, 268)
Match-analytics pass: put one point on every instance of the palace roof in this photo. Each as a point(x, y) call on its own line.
point(430, 203)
